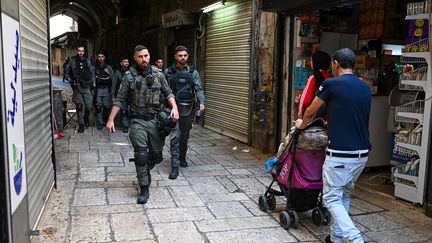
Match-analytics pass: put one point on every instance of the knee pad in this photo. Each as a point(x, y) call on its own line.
point(79, 107)
point(141, 156)
point(98, 109)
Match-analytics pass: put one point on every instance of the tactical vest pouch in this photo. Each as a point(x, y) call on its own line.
point(185, 109)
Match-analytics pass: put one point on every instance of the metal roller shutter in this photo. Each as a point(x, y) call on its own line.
point(37, 107)
point(228, 54)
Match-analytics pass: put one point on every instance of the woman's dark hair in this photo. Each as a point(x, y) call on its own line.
point(345, 57)
point(321, 61)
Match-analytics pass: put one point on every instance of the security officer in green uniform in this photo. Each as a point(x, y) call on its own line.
point(81, 77)
point(186, 85)
point(118, 76)
point(146, 86)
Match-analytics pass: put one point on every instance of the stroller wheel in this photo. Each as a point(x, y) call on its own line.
point(294, 218)
point(285, 220)
point(327, 216)
point(262, 202)
point(317, 216)
point(271, 202)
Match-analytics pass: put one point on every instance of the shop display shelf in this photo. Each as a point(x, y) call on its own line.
point(413, 179)
point(414, 147)
point(410, 117)
point(424, 55)
point(406, 192)
point(417, 16)
point(412, 84)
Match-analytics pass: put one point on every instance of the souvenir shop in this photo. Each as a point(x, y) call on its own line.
point(391, 42)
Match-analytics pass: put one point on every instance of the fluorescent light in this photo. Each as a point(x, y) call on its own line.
point(213, 6)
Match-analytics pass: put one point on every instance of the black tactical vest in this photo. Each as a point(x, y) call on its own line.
point(102, 77)
point(182, 84)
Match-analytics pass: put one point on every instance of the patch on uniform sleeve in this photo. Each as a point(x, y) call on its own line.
point(320, 88)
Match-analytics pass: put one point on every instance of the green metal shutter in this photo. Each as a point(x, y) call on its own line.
point(37, 107)
point(227, 69)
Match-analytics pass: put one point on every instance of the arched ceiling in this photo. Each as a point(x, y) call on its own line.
point(98, 14)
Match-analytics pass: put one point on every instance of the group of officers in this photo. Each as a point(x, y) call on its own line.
point(159, 103)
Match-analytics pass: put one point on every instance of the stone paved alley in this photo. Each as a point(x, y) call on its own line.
point(213, 200)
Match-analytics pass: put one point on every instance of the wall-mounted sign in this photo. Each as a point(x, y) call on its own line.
point(14, 109)
point(177, 18)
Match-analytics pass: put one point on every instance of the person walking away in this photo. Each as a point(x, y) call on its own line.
point(80, 75)
point(65, 65)
point(104, 77)
point(118, 76)
point(186, 85)
point(147, 88)
point(320, 65)
point(348, 101)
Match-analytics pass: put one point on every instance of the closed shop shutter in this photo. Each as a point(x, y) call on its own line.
point(227, 71)
point(37, 107)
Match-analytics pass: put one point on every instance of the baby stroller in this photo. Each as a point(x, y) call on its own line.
point(298, 172)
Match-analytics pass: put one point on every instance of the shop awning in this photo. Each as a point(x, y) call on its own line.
point(290, 6)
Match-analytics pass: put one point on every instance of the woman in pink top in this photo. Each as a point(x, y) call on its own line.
point(320, 65)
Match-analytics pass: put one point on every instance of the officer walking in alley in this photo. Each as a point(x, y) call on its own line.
point(159, 63)
point(146, 86)
point(185, 83)
point(104, 77)
point(348, 101)
point(81, 78)
point(118, 76)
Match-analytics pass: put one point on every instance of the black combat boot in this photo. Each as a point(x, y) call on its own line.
point(143, 195)
point(81, 129)
point(174, 173)
point(86, 122)
point(100, 126)
point(183, 162)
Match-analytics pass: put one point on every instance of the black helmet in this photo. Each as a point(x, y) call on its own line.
point(165, 123)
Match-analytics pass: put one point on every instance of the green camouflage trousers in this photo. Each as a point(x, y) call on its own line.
point(83, 99)
point(145, 134)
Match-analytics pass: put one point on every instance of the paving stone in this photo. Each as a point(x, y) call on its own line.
point(376, 222)
point(205, 185)
point(107, 209)
point(135, 221)
point(236, 224)
point(83, 146)
point(223, 197)
point(92, 174)
point(228, 210)
point(364, 206)
point(160, 197)
point(178, 232)
point(90, 228)
point(206, 173)
point(126, 195)
point(88, 156)
point(396, 236)
point(179, 214)
point(176, 182)
point(122, 177)
point(110, 157)
point(185, 196)
point(121, 170)
point(317, 230)
point(239, 171)
point(249, 185)
point(253, 208)
point(255, 235)
point(227, 183)
point(96, 165)
point(302, 233)
point(89, 196)
point(105, 184)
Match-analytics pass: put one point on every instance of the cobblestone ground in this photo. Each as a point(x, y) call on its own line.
point(213, 200)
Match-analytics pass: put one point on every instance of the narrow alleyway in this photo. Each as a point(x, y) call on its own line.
point(213, 200)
